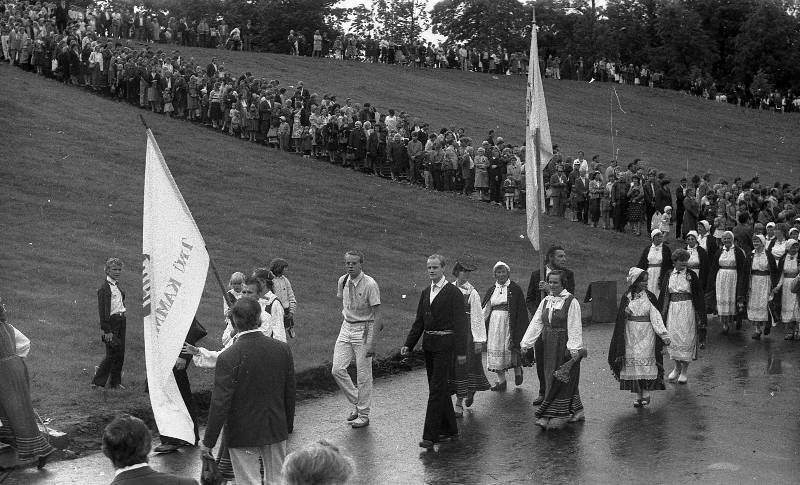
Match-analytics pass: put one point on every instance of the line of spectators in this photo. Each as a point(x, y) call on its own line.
point(390, 144)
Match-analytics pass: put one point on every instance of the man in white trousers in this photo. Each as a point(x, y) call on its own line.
point(360, 301)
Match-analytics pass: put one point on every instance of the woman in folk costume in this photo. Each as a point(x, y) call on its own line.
point(763, 275)
point(656, 260)
point(18, 428)
point(635, 354)
point(729, 274)
point(506, 319)
point(683, 306)
point(706, 240)
point(698, 258)
point(777, 246)
point(783, 296)
point(558, 321)
point(469, 377)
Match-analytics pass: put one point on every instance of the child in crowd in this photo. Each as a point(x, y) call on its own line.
point(509, 188)
point(252, 121)
point(235, 289)
point(666, 221)
point(284, 134)
point(236, 122)
point(305, 142)
point(297, 131)
point(481, 173)
point(168, 108)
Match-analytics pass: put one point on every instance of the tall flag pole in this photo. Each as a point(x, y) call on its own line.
point(538, 146)
point(173, 277)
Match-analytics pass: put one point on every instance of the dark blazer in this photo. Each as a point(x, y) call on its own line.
point(195, 334)
point(711, 246)
point(254, 393)
point(663, 198)
point(580, 190)
point(650, 193)
point(690, 217)
point(445, 313)
point(680, 194)
point(534, 296)
point(148, 476)
point(741, 271)
point(104, 305)
point(517, 312)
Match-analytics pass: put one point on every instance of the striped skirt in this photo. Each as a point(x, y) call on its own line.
point(19, 429)
point(468, 378)
point(561, 399)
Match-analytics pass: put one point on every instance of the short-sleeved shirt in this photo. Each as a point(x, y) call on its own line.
point(359, 297)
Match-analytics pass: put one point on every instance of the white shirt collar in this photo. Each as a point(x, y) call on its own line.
point(439, 284)
point(504, 285)
point(357, 279)
point(111, 281)
point(252, 330)
point(129, 468)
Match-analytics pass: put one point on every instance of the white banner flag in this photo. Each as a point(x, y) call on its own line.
point(537, 118)
point(173, 277)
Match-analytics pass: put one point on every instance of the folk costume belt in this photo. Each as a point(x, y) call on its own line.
point(439, 332)
point(644, 318)
point(790, 274)
point(121, 314)
point(759, 272)
point(733, 267)
point(501, 307)
point(680, 296)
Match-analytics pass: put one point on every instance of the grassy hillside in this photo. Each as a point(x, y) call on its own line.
point(71, 184)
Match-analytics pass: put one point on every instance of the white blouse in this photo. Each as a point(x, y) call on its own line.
point(549, 304)
point(640, 305)
point(476, 321)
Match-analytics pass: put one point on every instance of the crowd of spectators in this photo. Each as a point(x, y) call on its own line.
point(391, 144)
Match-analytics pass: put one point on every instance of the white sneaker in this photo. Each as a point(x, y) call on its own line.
point(673, 375)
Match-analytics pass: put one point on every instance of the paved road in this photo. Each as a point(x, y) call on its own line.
point(737, 421)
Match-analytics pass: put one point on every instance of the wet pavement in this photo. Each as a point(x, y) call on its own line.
point(736, 421)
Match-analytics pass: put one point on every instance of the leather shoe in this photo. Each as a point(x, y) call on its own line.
point(167, 448)
point(353, 416)
point(427, 444)
point(518, 378)
point(499, 386)
point(539, 400)
point(360, 422)
point(469, 399)
point(579, 416)
point(542, 422)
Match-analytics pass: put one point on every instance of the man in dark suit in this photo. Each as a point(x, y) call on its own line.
point(169, 443)
point(680, 194)
point(441, 316)
point(663, 195)
point(555, 259)
point(580, 196)
point(253, 397)
point(649, 186)
point(126, 442)
point(111, 306)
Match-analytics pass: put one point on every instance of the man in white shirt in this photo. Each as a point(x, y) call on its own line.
point(361, 299)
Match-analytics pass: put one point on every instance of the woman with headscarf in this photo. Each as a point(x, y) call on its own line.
point(729, 274)
point(635, 352)
point(469, 377)
point(506, 319)
point(783, 296)
point(558, 321)
point(18, 428)
point(763, 275)
point(698, 258)
point(656, 260)
point(683, 306)
point(705, 240)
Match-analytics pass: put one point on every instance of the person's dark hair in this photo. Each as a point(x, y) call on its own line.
point(320, 463)
point(551, 251)
point(265, 276)
point(743, 218)
point(246, 313)
point(253, 280)
point(680, 255)
point(126, 441)
point(277, 266)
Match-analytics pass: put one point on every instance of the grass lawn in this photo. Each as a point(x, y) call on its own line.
point(71, 185)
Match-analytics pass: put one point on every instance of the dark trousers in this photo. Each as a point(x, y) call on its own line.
point(110, 369)
point(678, 222)
point(582, 211)
point(440, 419)
point(538, 355)
point(182, 379)
point(649, 211)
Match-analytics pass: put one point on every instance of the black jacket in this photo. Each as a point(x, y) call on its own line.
point(446, 313)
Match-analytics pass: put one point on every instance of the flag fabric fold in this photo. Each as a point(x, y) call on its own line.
point(536, 113)
point(175, 264)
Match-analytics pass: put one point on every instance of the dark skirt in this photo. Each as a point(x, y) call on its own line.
point(561, 399)
point(216, 111)
point(469, 377)
point(594, 210)
point(19, 429)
